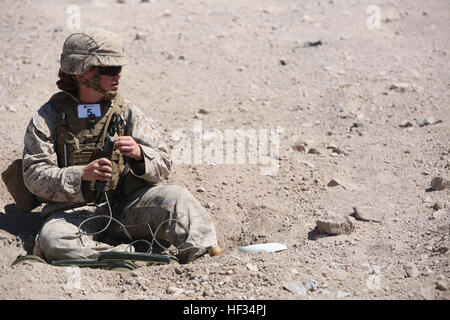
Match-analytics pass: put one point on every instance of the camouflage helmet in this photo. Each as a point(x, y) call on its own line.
point(95, 47)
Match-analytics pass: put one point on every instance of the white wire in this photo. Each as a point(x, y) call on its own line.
point(124, 228)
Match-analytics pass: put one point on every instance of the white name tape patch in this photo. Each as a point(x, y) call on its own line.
point(89, 110)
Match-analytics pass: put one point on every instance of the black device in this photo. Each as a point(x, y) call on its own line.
point(102, 186)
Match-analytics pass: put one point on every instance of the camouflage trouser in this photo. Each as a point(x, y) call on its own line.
point(189, 227)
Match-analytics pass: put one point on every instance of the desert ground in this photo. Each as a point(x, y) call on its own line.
point(348, 101)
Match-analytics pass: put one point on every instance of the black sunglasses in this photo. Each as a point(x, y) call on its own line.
point(109, 71)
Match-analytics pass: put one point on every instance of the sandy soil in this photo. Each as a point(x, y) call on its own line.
point(359, 100)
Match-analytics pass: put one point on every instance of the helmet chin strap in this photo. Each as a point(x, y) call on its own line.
point(94, 84)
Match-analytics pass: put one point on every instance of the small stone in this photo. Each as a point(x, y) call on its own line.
point(442, 285)
point(442, 249)
point(174, 291)
point(439, 183)
point(283, 62)
point(406, 124)
point(438, 205)
point(311, 285)
point(368, 214)
point(428, 121)
point(342, 294)
point(203, 111)
point(210, 205)
point(439, 214)
point(299, 147)
point(335, 225)
point(347, 186)
point(313, 151)
point(178, 271)
point(335, 149)
point(201, 189)
point(411, 270)
point(252, 267)
point(140, 36)
point(400, 87)
point(295, 287)
point(198, 115)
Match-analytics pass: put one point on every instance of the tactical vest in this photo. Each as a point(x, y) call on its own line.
point(79, 141)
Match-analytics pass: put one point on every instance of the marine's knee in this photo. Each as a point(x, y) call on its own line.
point(177, 193)
point(53, 235)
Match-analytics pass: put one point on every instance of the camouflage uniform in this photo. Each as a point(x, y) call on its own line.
point(61, 237)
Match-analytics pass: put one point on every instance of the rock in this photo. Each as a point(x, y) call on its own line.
point(342, 294)
point(438, 205)
point(400, 87)
point(140, 36)
point(210, 205)
point(335, 149)
point(442, 285)
point(312, 44)
point(174, 291)
point(368, 214)
point(334, 183)
point(311, 285)
point(428, 121)
point(199, 115)
point(299, 147)
point(313, 151)
point(295, 287)
point(406, 124)
point(203, 111)
point(201, 189)
point(439, 214)
point(411, 270)
point(178, 271)
point(331, 273)
point(335, 225)
point(439, 183)
point(442, 249)
point(252, 267)
point(356, 125)
point(299, 139)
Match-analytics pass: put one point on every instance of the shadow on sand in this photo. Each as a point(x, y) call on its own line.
point(22, 225)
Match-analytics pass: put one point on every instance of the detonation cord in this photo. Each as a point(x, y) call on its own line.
point(124, 228)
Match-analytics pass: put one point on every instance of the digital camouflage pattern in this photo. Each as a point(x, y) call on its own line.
point(59, 237)
point(93, 48)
